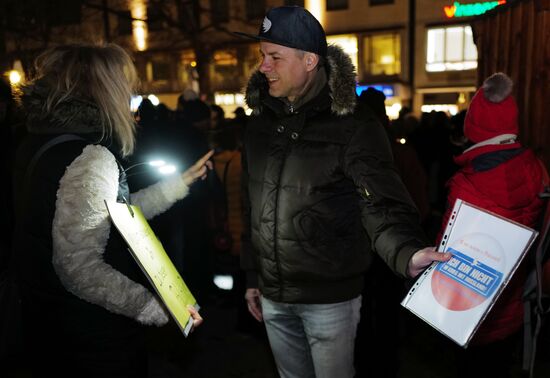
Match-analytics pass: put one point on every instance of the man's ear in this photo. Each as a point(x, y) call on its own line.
point(312, 60)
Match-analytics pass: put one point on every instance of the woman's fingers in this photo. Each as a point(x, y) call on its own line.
point(199, 169)
point(204, 160)
point(197, 318)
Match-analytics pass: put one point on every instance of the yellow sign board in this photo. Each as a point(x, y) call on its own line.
point(153, 260)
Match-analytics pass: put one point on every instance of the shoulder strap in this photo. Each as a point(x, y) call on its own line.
point(52, 142)
point(20, 209)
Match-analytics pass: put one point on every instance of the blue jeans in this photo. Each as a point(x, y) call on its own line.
point(312, 340)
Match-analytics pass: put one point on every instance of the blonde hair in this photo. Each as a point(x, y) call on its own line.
point(103, 75)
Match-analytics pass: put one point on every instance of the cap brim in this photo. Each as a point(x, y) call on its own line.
point(260, 39)
point(246, 35)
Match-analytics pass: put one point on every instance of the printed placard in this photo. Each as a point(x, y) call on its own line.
point(153, 260)
point(455, 296)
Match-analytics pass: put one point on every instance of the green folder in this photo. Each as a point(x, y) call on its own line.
point(153, 260)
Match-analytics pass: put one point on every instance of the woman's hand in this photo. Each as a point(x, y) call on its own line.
point(197, 319)
point(198, 170)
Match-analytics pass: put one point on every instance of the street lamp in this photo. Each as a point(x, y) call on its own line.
point(15, 77)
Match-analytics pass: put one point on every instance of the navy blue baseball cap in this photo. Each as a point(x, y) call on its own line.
point(292, 26)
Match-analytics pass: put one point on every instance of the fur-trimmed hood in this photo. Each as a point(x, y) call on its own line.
point(341, 82)
point(72, 115)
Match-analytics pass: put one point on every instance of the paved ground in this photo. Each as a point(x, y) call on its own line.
point(217, 349)
point(220, 350)
point(226, 347)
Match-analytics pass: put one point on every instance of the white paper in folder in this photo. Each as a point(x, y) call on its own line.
point(454, 297)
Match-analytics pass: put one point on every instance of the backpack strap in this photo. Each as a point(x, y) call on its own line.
point(21, 208)
point(51, 143)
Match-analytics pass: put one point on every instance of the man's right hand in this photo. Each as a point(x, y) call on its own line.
point(252, 297)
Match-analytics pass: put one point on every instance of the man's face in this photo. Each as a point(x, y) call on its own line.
point(285, 69)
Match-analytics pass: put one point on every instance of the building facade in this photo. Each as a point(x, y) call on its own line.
point(420, 53)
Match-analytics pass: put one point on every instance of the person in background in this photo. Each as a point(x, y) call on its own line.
point(240, 114)
point(378, 332)
point(405, 157)
point(320, 195)
point(497, 174)
point(85, 300)
point(218, 123)
point(228, 207)
point(193, 110)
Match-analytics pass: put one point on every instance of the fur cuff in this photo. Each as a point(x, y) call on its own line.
point(153, 313)
point(158, 198)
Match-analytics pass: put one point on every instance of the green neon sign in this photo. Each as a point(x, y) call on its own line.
point(468, 10)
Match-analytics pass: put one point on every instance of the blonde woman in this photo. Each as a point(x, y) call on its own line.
point(84, 299)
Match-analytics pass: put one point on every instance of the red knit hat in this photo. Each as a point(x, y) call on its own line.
point(493, 111)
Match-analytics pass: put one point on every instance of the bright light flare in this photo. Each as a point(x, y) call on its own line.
point(15, 77)
point(224, 282)
point(139, 28)
point(167, 169)
point(157, 163)
point(317, 9)
point(154, 99)
point(135, 102)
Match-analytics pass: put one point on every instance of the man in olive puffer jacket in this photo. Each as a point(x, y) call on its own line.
point(320, 194)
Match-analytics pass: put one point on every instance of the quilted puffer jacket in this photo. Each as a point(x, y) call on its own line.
point(320, 194)
point(506, 180)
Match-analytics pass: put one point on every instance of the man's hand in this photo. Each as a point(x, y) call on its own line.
point(424, 258)
point(252, 297)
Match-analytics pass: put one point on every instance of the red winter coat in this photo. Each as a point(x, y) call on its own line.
point(506, 180)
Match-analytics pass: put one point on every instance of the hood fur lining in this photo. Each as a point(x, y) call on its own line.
point(72, 115)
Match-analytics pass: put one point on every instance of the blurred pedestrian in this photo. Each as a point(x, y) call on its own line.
point(378, 332)
point(193, 110)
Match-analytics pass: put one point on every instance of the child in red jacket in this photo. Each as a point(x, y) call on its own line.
point(497, 174)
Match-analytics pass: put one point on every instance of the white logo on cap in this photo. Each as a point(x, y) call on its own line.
point(266, 25)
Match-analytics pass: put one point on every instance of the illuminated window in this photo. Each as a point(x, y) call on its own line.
point(255, 9)
point(337, 4)
point(220, 10)
point(250, 60)
point(382, 54)
point(451, 49)
point(158, 70)
point(224, 72)
point(348, 43)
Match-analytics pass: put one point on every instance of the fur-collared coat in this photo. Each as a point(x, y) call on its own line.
point(320, 193)
point(69, 259)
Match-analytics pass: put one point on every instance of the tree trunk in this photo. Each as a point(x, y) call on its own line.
point(203, 56)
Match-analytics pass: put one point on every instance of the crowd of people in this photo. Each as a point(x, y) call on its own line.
point(313, 204)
